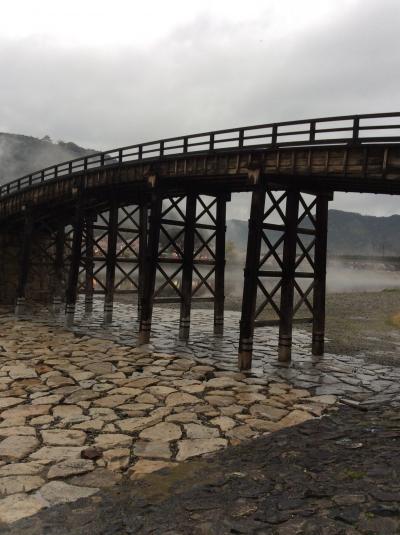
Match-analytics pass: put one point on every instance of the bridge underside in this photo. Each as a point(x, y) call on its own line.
point(171, 250)
point(155, 231)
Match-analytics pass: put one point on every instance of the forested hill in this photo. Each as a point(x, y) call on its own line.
point(20, 155)
point(352, 233)
point(349, 233)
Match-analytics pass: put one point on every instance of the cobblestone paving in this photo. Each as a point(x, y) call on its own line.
point(338, 475)
point(80, 412)
point(348, 377)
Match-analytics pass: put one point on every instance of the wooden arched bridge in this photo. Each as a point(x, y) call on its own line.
point(149, 219)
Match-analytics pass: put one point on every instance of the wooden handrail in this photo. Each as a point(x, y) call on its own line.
point(353, 130)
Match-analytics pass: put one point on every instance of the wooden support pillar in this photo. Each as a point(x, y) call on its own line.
point(89, 265)
point(187, 267)
point(219, 297)
point(143, 223)
point(288, 277)
point(76, 253)
point(111, 261)
point(250, 278)
point(24, 263)
point(58, 267)
point(149, 279)
point(321, 235)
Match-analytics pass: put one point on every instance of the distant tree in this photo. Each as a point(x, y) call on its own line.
point(47, 139)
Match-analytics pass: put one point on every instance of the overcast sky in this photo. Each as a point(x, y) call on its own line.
point(105, 74)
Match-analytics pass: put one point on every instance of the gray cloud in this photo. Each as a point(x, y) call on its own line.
point(207, 75)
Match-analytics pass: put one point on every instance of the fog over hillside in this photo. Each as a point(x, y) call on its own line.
point(20, 155)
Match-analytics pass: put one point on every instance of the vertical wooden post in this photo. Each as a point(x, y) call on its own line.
point(219, 296)
point(288, 277)
point(143, 223)
point(250, 278)
point(321, 235)
point(58, 267)
point(111, 260)
point(149, 279)
point(76, 253)
point(187, 267)
point(26, 246)
point(89, 264)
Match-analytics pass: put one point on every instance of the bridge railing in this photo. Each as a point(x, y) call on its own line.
point(354, 129)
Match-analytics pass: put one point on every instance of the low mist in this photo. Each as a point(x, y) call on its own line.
point(340, 278)
point(345, 279)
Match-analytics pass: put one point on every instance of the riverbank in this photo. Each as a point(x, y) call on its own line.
point(334, 476)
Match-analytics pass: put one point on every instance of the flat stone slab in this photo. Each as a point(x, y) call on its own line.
point(155, 450)
point(19, 506)
point(63, 437)
point(70, 467)
point(56, 453)
point(162, 432)
point(9, 402)
point(17, 447)
point(57, 492)
point(193, 448)
point(19, 483)
point(21, 372)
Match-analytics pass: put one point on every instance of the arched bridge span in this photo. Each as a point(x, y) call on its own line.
point(150, 219)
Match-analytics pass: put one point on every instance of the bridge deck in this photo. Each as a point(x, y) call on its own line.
point(364, 169)
point(359, 153)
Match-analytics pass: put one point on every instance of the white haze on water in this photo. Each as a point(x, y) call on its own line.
point(339, 279)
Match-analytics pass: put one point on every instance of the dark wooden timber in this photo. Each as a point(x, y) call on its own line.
point(143, 227)
point(219, 295)
point(346, 153)
point(187, 267)
point(338, 132)
point(76, 252)
point(288, 277)
point(151, 268)
point(111, 258)
point(24, 261)
point(89, 265)
point(318, 332)
point(250, 278)
point(58, 267)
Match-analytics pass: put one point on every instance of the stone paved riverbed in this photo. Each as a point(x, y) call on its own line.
point(80, 411)
point(338, 475)
point(342, 375)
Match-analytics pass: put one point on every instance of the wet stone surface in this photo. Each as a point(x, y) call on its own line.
point(85, 409)
point(338, 375)
point(332, 476)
